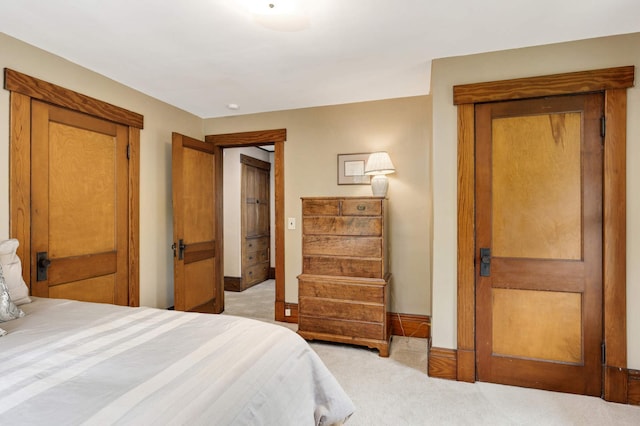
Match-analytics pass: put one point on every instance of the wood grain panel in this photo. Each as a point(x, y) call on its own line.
point(466, 230)
point(343, 225)
point(348, 267)
point(82, 212)
point(549, 85)
point(248, 138)
point(196, 252)
point(367, 330)
point(537, 325)
point(198, 275)
point(198, 173)
point(337, 290)
point(615, 228)
point(320, 207)
point(442, 363)
point(341, 309)
point(82, 267)
point(133, 248)
point(20, 178)
point(410, 325)
point(98, 290)
point(536, 186)
point(341, 246)
point(39, 89)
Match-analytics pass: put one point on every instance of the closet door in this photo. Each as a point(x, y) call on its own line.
point(79, 209)
point(539, 289)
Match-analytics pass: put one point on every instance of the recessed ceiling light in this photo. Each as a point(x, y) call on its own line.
point(233, 106)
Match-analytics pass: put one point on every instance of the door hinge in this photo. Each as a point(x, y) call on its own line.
point(603, 126)
point(128, 152)
point(603, 348)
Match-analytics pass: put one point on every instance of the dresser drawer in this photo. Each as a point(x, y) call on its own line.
point(340, 290)
point(320, 207)
point(342, 246)
point(361, 207)
point(256, 244)
point(253, 257)
point(342, 266)
point(257, 273)
point(341, 309)
point(355, 329)
point(342, 225)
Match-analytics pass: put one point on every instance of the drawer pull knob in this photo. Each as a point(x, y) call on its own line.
point(362, 207)
point(250, 257)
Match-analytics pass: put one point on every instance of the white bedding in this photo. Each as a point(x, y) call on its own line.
point(69, 362)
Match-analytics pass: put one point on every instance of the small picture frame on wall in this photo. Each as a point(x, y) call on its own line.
point(351, 169)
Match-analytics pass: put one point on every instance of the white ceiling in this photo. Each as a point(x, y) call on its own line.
point(202, 55)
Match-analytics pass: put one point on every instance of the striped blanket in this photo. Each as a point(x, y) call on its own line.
point(69, 362)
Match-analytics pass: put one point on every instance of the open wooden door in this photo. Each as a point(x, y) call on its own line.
point(197, 271)
point(539, 168)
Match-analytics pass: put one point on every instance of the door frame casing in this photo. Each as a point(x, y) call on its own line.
point(277, 137)
point(612, 82)
point(23, 89)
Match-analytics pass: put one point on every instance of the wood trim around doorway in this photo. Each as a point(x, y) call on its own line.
point(613, 82)
point(277, 137)
point(23, 89)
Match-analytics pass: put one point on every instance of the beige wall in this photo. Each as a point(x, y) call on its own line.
point(233, 207)
point(558, 58)
point(160, 119)
point(314, 138)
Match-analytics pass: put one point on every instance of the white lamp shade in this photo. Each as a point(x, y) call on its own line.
point(379, 163)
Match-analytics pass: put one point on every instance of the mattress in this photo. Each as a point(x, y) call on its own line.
point(69, 362)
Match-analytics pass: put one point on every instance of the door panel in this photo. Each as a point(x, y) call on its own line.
point(196, 271)
point(539, 210)
point(79, 205)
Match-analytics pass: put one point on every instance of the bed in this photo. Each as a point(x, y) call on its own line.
point(69, 362)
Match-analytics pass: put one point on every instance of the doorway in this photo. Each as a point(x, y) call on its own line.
point(275, 137)
point(249, 231)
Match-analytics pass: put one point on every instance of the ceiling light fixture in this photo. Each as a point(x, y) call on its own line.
point(278, 15)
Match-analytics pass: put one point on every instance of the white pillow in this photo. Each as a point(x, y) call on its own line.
point(8, 309)
point(12, 268)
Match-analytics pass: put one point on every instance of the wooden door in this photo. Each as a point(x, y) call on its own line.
point(539, 212)
point(79, 209)
point(196, 268)
point(255, 221)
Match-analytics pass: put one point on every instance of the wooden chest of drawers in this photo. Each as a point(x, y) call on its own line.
point(343, 291)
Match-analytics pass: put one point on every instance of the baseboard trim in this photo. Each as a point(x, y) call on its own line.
point(633, 387)
point(442, 363)
point(410, 325)
point(281, 316)
point(232, 283)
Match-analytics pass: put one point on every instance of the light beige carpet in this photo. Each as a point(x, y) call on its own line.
point(397, 391)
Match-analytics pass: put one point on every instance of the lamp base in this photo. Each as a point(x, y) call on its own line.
point(379, 185)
